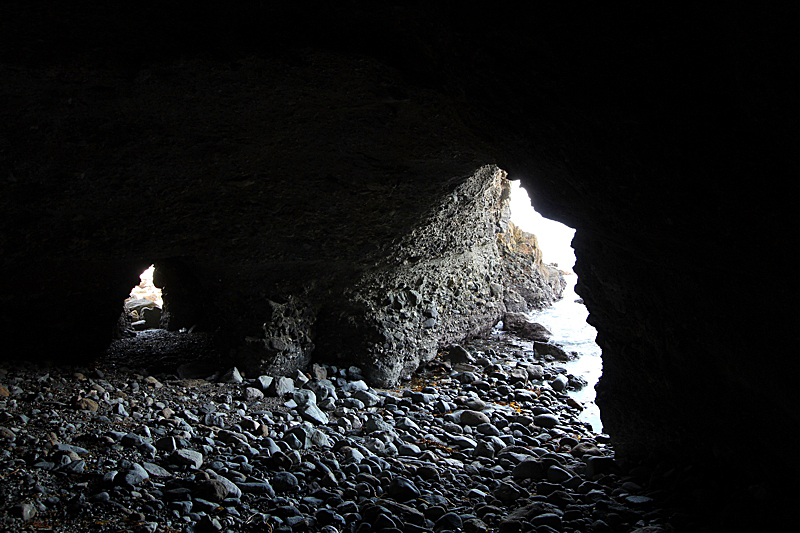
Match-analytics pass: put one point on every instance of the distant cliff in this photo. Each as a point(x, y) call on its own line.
point(529, 283)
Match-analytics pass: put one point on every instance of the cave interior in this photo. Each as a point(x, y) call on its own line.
point(269, 158)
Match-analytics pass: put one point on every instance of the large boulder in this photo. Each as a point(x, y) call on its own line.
point(442, 284)
point(522, 327)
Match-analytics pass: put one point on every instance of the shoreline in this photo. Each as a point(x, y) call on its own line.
point(566, 319)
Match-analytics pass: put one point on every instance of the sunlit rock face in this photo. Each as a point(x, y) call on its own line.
point(279, 161)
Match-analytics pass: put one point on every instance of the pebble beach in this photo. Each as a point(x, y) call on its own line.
point(484, 438)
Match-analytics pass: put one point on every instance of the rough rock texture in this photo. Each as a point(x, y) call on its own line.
point(444, 282)
point(528, 283)
point(257, 154)
point(285, 344)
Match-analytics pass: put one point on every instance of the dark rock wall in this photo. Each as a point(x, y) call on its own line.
point(445, 281)
point(278, 153)
point(245, 181)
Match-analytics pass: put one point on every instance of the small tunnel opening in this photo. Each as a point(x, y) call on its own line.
point(162, 324)
point(566, 318)
point(145, 304)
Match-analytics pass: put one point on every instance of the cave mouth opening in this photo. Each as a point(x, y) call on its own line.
point(162, 324)
point(566, 318)
point(144, 305)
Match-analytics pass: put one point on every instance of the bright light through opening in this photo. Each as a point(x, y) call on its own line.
point(554, 237)
point(566, 319)
point(146, 290)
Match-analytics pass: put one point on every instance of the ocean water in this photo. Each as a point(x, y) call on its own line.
point(566, 319)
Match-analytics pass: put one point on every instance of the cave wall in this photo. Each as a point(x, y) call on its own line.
point(446, 281)
point(249, 182)
point(432, 289)
point(279, 152)
point(449, 279)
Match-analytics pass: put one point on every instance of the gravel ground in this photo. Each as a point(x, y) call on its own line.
point(484, 438)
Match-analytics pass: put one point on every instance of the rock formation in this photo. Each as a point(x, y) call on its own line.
point(529, 283)
point(269, 159)
point(444, 282)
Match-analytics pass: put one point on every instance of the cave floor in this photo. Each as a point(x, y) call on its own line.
point(161, 352)
point(118, 447)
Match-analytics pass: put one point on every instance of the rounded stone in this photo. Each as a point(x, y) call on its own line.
point(528, 469)
point(560, 383)
point(475, 404)
point(507, 492)
point(585, 448)
point(403, 489)
point(285, 482)
point(212, 490)
point(547, 421)
point(473, 418)
point(488, 429)
point(547, 519)
point(450, 521)
point(558, 475)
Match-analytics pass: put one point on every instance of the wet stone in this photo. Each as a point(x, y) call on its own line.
point(403, 489)
point(409, 449)
point(546, 420)
point(449, 457)
point(552, 520)
point(558, 475)
point(285, 482)
point(507, 492)
point(488, 429)
point(257, 487)
point(560, 383)
point(528, 468)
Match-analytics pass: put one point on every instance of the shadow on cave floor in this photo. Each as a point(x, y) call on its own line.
point(158, 351)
